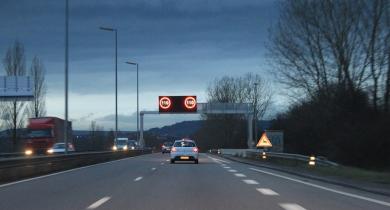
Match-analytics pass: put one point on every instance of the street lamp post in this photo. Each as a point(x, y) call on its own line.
point(66, 73)
point(255, 110)
point(141, 143)
point(116, 76)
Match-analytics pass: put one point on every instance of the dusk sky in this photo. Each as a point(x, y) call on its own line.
point(181, 47)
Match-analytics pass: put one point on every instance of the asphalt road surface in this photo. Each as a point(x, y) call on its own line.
point(150, 182)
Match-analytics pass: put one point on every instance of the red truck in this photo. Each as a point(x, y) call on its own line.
point(43, 133)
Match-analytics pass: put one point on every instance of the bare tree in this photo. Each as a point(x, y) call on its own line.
point(316, 44)
point(386, 94)
point(14, 65)
point(256, 91)
point(96, 136)
point(37, 108)
point(374, 36)
point(94, 129)
point(250, 88)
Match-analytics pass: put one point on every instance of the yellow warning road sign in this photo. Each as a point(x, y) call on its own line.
point(264, 141)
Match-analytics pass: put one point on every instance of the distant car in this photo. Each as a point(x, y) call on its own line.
point(60, 148)
point(166, 147)
point(184, 150)
point(132, 145)
point(120, 144)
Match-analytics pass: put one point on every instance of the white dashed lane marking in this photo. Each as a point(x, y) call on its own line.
point(138, 178)
point(99, 203)
point(227, 167)
point(232, 170)
point(239, 175)
point(153, 169)
point(291, 206)
point(266, 191)
point(249, 181)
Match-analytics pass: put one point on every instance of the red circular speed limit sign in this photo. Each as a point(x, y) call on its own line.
point(165, 103)
point(190, 102)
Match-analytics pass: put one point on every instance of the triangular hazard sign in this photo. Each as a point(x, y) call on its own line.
point(264, 141)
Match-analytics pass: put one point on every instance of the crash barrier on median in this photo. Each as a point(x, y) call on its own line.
point(13, 154)
point(12, 169)
point(257, 154)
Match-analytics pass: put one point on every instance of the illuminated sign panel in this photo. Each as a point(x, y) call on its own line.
point(177, 104)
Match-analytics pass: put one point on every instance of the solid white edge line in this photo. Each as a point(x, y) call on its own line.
point(138, 178)
point(99, 202)
point(266, 191)
point(291, 206)
point(61, 172)
point(325, 188)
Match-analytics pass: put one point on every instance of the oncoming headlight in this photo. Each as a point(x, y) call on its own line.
point(28, 152)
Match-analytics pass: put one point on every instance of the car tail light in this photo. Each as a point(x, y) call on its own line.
point(195, 149)
point(173, 149)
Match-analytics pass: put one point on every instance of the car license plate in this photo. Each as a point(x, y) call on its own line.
point(184, 158)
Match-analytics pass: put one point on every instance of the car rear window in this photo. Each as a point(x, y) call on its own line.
point(59, 146)
point(184, 144)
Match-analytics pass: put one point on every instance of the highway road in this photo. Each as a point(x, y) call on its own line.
point(150, 182)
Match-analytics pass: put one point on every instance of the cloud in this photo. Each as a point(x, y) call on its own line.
point(181, 47)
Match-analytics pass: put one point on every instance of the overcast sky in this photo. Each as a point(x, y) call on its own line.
point(181, 47)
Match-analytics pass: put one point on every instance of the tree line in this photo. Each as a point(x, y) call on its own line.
point(334, 58)
point(14, 112)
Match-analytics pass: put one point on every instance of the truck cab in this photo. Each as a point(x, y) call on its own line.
point(39, 138)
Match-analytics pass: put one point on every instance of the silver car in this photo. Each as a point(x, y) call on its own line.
point(184, 150)
point(60, 148)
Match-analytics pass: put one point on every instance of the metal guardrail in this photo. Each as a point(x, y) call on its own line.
point(11, 154)
point(12, 169)
point(257, 153)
